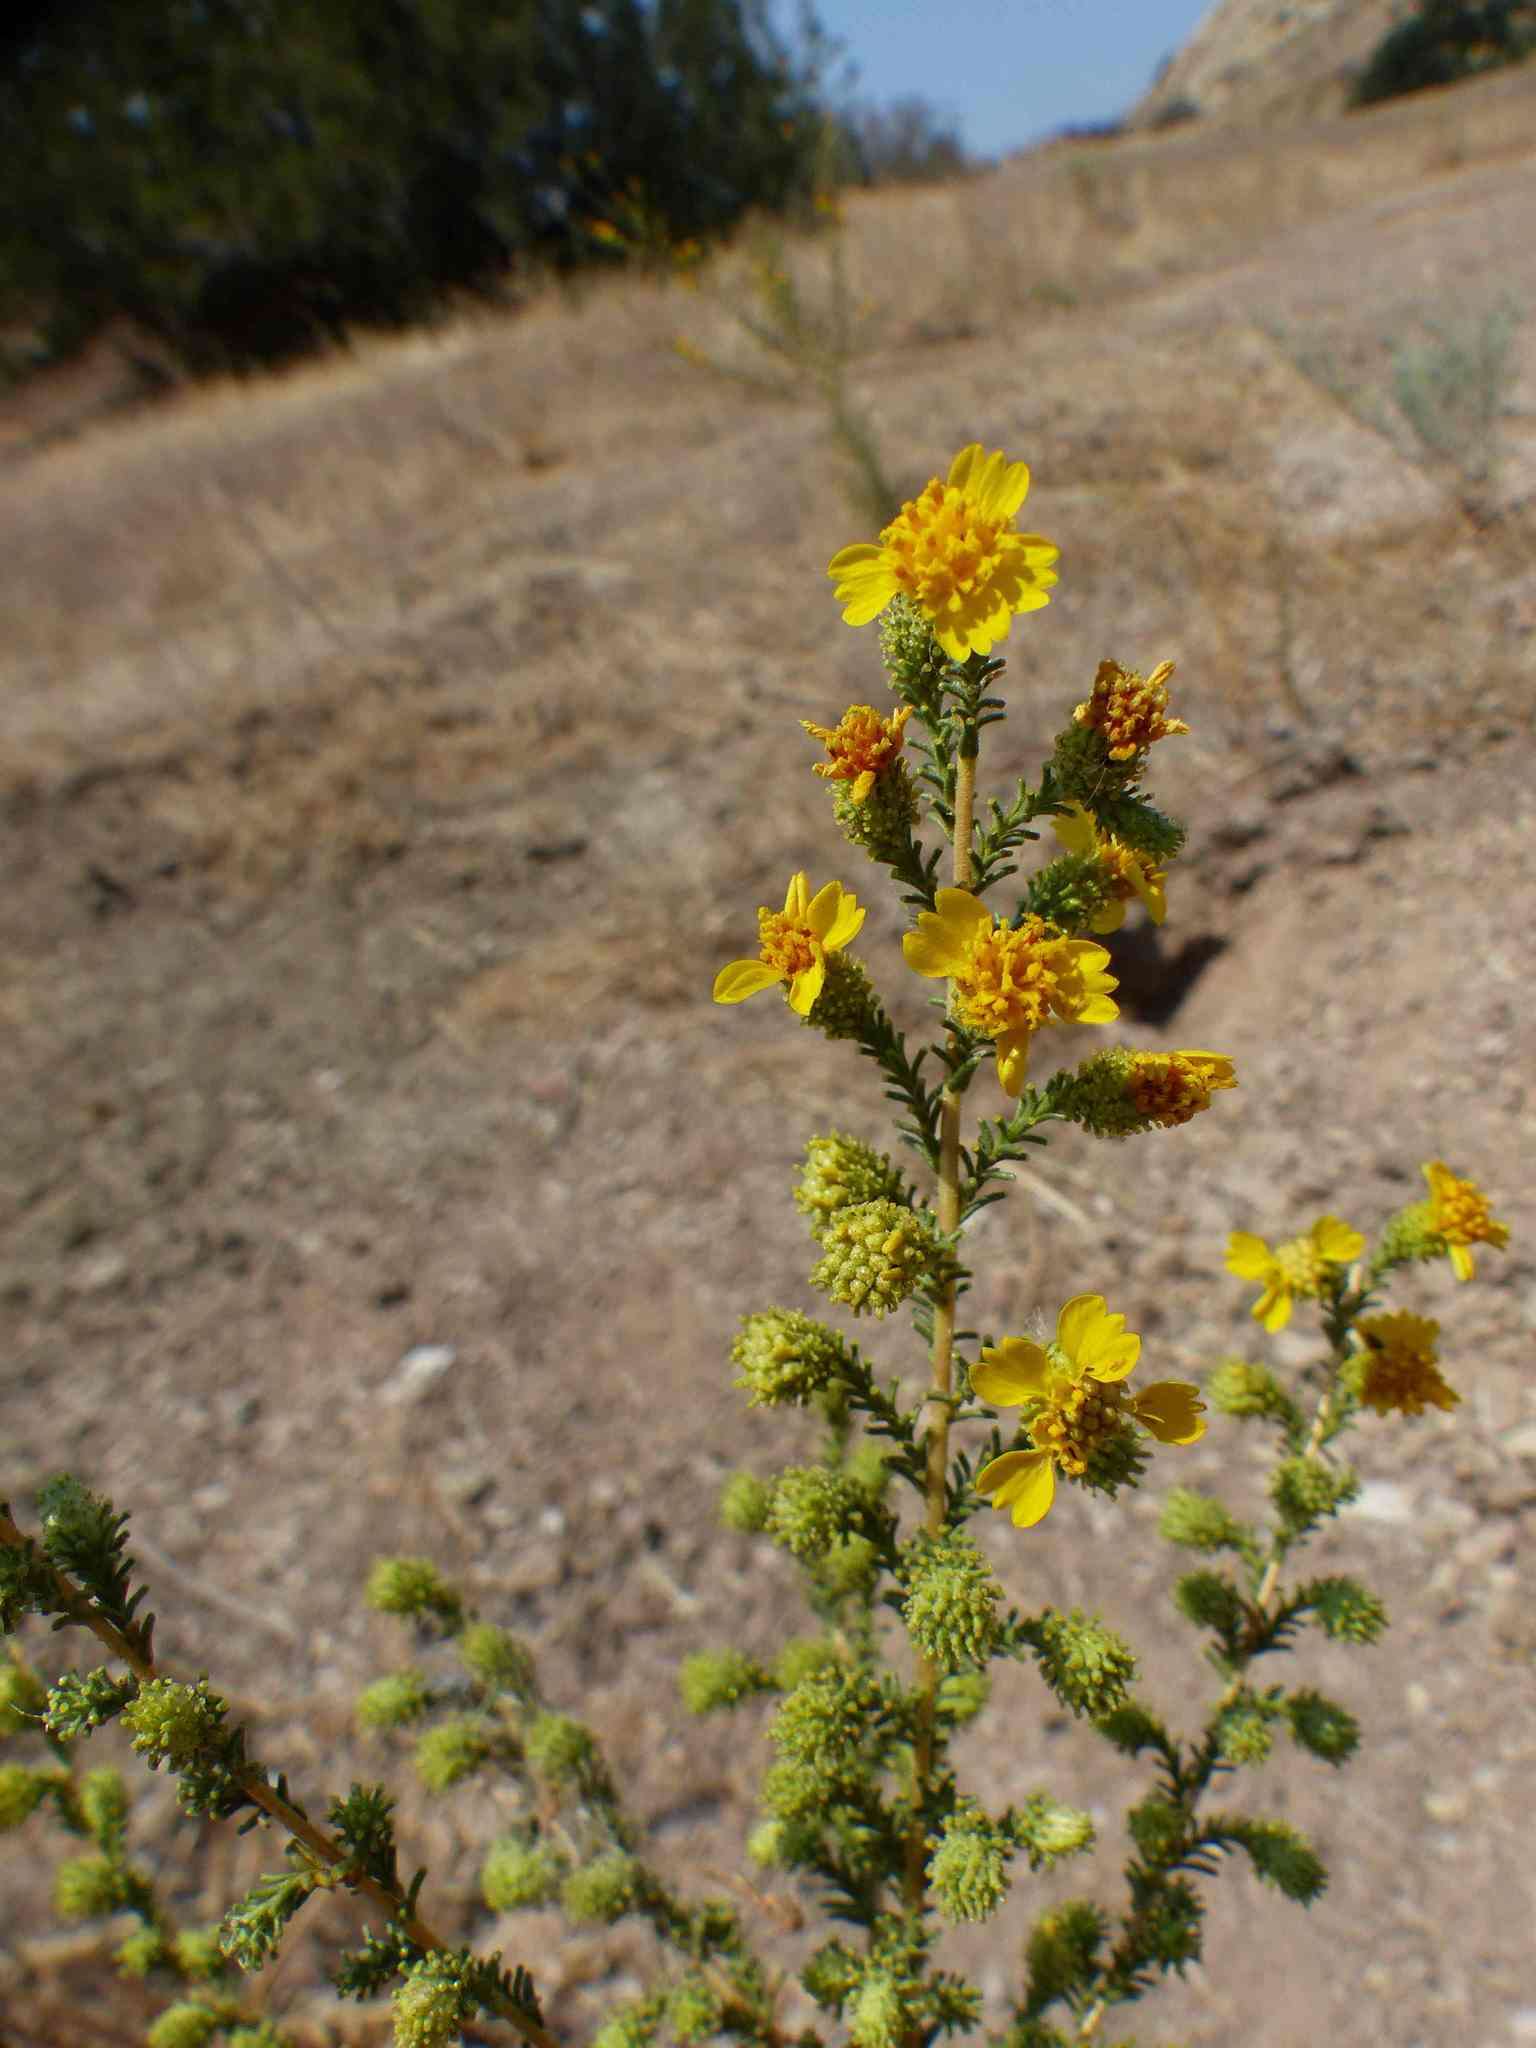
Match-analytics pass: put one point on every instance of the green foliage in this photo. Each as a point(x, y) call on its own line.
point(414, 1589)
point(452, 1751)
point(1455, 386)
point(1322, 1726)
point(497, 1659)
point(712, 1679)
point(1446, 40)
point(516, 1873)
point(393, 1701)
point(604, 1889)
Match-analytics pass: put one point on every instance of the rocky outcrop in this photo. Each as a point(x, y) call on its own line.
point(1268, 60)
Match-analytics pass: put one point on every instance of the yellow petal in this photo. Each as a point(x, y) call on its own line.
point(1273, 1307)
point(1153, 894)
point(1335, 1240)
point(835, 916)
point(797, 895)
point(1012, 1061)
point(1095, 1340)
point(1172, 1410)
point(1076, 829)
point(1249, 1257)
point(859, 559)
point(1011, 1372)
point(938, 945)
point(743, 978)
point(1108, 918)
point(1461, 1262)
point(964, 463)
point(1214, 1068)
point(954, 641)
point(1024, 1481)
point(807, 986)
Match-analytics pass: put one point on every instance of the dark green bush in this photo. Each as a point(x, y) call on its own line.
point(1445, 41)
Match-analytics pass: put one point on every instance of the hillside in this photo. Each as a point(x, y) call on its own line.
point(1269, 62)
point(391, 753)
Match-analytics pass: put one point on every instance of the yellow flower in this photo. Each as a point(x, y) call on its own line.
point(1127, 872)
point(953, 551)
point(1007, 983)
point(1168, 1088)
point(1128, 710)
point(1291, 1270)
point(862, 744)
point(1398, 1367)
point(1073, 1404)
point(1458, 1212)
point(794, 946)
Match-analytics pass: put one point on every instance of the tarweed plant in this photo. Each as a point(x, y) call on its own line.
point(873, 1842)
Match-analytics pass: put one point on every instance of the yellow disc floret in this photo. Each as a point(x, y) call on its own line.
point(1128, 710)
point(1006, 983)
point(794, 945)
point(1460, 1213)
point(1398, 1367)
point(952, 550)
point(862, 746)
point(1168, 1088)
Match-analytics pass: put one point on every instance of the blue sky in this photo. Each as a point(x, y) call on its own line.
point(1009, 71)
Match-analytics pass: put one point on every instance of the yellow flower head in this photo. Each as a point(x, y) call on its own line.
point(1127, 872)
point(1398, 1367)
point(1458, 1212)
point(953, 551)
point(1168, 1088)
point(1297, 1269)
point(795, 942)
point(862, 746)
point(1129, 710)
point(1007, 983)
point(1073, 1404)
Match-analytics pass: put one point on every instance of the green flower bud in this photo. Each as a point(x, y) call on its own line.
point(104, 1806)
point(877, 1255)
point(831, 1974)
point(393, 1701)
point(840, 1173)
point(1172, 1916)
point(791, 1794)
point(21, 1792)
point(823, 1725)
point(1197, 1522)
point(848, 1567)
point(1280, 1855)
point(969, 1868)
point(1061, 1948)
point(1322, 1726)
point(85, 1887)
point(1086, 1665)
point(183, 2026)
point(963, 1695)
point(812, 1507)
point(23, 1697)
point(711, 1679)
point(415, 1589)
point(1210, 1601)
point(1243, 1733)
point(765, 1844)
point(1048, 1832)
point(1408, 1236)
point(140, 1952)
point(847, 1006)
point(1117, 1458)
point(1345, 1610)
point(1238, 1388)
point(1067, 892)
point(431, 2005)
point(496, 1657)
point(1083, 771)
point(605, 1889)
point(451, 1752)
point(560, 1749)
point(802, 1657)
point(881, 825)
point(198, 1955)
point(914, 660)
point(1097, 1095)
point(694, 2010)
point(1159, 1829)
point(783, 1356)
point(744, 1502)
point(878, 2017)
point(171, 1722)
point(517, 1873)
point(1306, 1491)
point(869, 1468)
point(951, 1604)
point(1128, 817)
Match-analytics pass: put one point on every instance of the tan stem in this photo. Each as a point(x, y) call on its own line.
point(935, 1422)
point(323, 1847)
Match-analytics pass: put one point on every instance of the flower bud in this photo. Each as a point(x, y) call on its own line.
point(22, 1699)
point(21, 1791)
point(1086, 1665)
point(877, 1255)
point(841, 1173)
point(415, 1589)
point(785, 1357)
point(85, 1887)
point(1236, 1387)
point(605, 1889)
point(140, 1952)
point(882, 824)
point(560, 1749)
point(878, 2017)
point(969, 1868)
point(496, 1657)
point(183, 2026)
point(198, 1955)
point(914, 660)
point(393, 1701)
point(744, 1502)
point(430, 2006)
point(1048, 1831)
point(951, 1604)
point(711, 1679)
point(517, 1873)
point(171, 1722)
point(847, 1006)
point(812, 1507)
point(451, 1752)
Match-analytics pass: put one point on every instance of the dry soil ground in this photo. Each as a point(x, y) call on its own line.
point(391, 755)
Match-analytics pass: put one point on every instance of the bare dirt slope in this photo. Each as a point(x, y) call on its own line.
point(392, 754)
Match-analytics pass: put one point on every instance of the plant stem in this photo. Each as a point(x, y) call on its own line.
point(941, 1359)
point(323, 1847)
